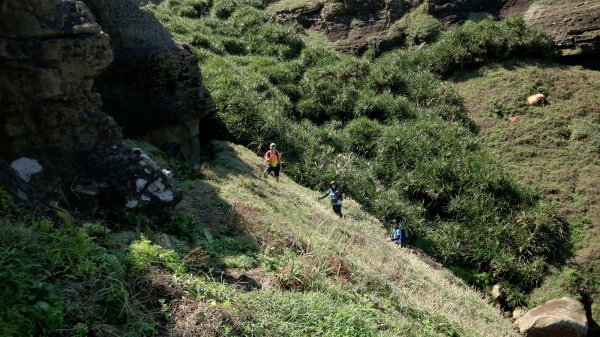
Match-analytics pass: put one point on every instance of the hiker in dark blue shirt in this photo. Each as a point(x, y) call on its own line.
point(397, 233)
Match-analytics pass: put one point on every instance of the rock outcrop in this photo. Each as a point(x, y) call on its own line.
point(574, 25)
point(353, 24)
point(358, 25)
point(153, 88)
point(562, 317)
point(55, 137)
point(454, 11)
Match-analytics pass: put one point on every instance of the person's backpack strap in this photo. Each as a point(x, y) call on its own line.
point(269, 155)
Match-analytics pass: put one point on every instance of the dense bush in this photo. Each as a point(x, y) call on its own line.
point(417, 27)
point(313, 313)
point(329, 89)
point(390, 130)
point(484, 41)
point(363, 134)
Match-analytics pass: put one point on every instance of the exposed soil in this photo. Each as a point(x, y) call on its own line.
point(574, 25)
point(515, 7)
point(195, 318)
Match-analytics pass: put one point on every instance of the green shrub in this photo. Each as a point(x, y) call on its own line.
point(28, 305)
point(417, 26)
point(8, 207)
point(184, 226)
point(310, 313)
point(384, 107)
point(487, 40)
point(55, 277)
point(330, 90)
point(479, 280)
point(145, 254)
point(189, 8)
point(362, 135)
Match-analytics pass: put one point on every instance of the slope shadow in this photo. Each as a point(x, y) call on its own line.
point(226, 247)
point(222, 158)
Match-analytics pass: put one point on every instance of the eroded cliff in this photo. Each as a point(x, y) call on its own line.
point(55, 137)
point(153, 88)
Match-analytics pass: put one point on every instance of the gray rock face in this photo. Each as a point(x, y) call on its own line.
point(55, 137)
point(154, 81)
point(453, 11)
point(122, 178)
point(354, 24)
point(574, 25)
point(562, 317)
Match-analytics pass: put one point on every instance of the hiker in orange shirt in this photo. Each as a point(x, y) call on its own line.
point(273, 159)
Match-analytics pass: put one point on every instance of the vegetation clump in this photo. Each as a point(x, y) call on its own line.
point(416, 27)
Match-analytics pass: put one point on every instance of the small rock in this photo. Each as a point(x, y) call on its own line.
point(537, 99)
point(165, 241)
point(496, 292)
point(519, 312)
point(557, 318)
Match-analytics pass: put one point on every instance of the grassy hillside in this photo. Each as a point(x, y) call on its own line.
point(390, 130)
point(243, 257)
point(555, 149)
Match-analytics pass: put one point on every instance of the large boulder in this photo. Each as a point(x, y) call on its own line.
point(574, 24)
point(153, 88)
point(55, 138)
point(557, 318)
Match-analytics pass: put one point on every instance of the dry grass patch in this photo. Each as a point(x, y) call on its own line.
point(290, 5)
point(194, 318)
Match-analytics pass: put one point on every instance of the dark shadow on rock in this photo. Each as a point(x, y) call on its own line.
point(586, 300)
point(154, 87)
point(54, 133)
point(23, 193)
point(588, 61)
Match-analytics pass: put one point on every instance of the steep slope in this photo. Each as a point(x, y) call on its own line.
point(358, 26)
point(573, 25)
point(555, 148)
point(243, 257)
point(319, 257)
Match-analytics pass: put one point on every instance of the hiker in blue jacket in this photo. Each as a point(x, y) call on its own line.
point(397, 233)
point(336, 196)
